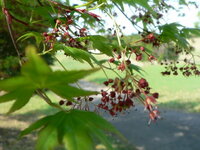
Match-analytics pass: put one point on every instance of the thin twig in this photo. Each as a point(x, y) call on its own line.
point(7, 15)
point(67, 70)
point(127, 17)
point(47, 99)
point(39, 3)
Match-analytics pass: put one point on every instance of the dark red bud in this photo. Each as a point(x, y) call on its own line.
point(91, 99)
point(61, 102)
point(139, 57)
point(111, 60)
point(110, 80)
point(112, 94)
point(68, 103)
point(45, 34)
point(119, 56)
point(155, 95)
point(106, 83)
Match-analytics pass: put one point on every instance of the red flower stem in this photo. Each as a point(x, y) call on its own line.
point(20, 21)
point(10, 31)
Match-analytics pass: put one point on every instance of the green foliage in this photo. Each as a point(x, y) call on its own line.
point(75, 129)
point(9, 66)
point(6, 47)
point(102, 44)
point(38, 37)
point(76, 53)
point(171, 32)
point(36, 74)
point(190, 32)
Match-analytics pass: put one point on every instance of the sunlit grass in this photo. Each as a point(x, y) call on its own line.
point(35, 104)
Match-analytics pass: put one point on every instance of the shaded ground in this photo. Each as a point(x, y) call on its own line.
point(10, 127)
point(176, 131)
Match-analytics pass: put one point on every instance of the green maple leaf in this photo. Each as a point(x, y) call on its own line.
point(76, 53)
point(75, 130)
point(36, 74)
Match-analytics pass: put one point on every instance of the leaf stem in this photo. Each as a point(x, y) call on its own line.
point(60, 63)
point(116, 27)
point(128, 17)
point(86, 4)
point(104, 72)
point(48, 100)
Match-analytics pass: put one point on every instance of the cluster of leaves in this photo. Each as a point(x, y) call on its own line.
point(54, 26)
point(73, 128)
point(37, 75)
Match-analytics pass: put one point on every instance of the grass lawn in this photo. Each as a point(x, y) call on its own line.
point(177, 92)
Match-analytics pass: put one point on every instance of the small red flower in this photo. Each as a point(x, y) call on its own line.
point(151, 99)
point(119, 57)
point(142, 83)
point(66, 34)
point(151, 58)
point(154, 115)
point(68, 103)
point(111, 60)
point(45, 34)
point(112, 112)
point(148, 106)
point(155, 95)
point(58, 21)
point(142, 48)
point(110, 80)
point(139, 57)
point(151, 37)
point(106, 83)
point(121, 67)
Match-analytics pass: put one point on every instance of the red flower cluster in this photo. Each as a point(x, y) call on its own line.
point(117, 100)
point(64, 28)
point(122, 97)
point(151, 38)
point(142, 83)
